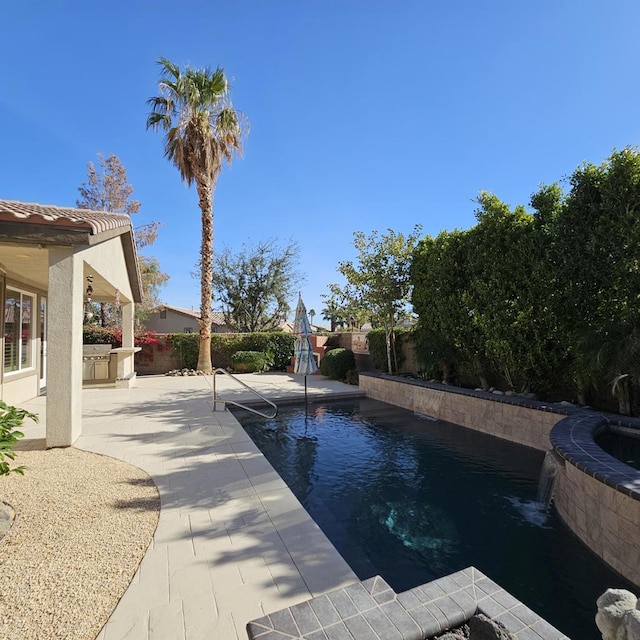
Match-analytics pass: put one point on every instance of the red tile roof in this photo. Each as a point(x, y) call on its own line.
point(94, 221)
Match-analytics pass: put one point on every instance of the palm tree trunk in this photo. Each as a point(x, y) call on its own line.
point(205, 195)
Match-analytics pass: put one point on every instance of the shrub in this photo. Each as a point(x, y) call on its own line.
point(186, 345)
point(278, 346)
point(337, 363)
point(95, 334)
point(10, 419)
point(249, 361)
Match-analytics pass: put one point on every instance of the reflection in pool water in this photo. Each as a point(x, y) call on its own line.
point(413, 499)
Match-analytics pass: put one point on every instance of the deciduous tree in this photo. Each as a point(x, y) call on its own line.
point(254, 285)
point(380, 277)
point(107, 189)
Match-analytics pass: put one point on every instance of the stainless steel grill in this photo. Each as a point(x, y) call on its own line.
point(96, 361)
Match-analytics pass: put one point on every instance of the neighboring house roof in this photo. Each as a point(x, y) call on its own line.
point(217, 317)
point(287, 327)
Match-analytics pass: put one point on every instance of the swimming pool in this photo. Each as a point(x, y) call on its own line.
point(413, 499)
point(621, 446)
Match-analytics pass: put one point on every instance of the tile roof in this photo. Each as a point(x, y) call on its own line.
point(94, 221)
point(217, 317)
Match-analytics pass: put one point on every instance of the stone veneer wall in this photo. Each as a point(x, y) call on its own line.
point(525, 422)
point(607, 521)
point(597, 496)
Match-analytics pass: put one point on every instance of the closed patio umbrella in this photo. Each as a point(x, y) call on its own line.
point(304, 363)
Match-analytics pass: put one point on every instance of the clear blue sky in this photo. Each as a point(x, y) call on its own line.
point(364, 114)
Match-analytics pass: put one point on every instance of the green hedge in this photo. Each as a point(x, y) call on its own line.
point(278, 348)
point(95, 334)
point(186, 346)
point(337, 364)
point(249, 361)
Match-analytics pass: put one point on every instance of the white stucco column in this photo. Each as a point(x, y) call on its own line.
point(125, 373)
point(127, 324)
point(64, 357)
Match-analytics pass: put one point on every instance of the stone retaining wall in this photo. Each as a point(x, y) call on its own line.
point(525, 422)
point(597, 496)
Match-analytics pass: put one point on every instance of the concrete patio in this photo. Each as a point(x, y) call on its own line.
point(232, 542)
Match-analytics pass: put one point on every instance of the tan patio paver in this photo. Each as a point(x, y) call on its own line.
point(232, 542)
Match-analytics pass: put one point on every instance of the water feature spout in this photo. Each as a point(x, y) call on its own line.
point(550, 467)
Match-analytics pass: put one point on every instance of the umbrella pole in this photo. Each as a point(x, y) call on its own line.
point(305, 391)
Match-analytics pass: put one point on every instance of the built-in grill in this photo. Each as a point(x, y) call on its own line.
point(96, 361)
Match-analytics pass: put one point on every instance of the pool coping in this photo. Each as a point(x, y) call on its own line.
point(372, 610)
point(573, 438)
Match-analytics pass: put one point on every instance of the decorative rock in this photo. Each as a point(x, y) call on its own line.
point(455, 634)
point(613, 618)
point(510, 394)
point(632, 624)
point(483, 628)
point(185, 372)
point(497, 392)
point(7, 516)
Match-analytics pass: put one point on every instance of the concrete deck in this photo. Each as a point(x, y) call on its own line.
point(232, 542)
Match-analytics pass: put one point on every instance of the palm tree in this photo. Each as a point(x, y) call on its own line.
point(202, 131)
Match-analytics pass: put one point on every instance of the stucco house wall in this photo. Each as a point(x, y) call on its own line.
point(171, 319)
point(51, 260)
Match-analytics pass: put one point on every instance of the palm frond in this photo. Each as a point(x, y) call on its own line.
point(169, 69)
point(202, 128)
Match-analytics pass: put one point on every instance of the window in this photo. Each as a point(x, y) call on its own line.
point(18, 331)
point(163, 314)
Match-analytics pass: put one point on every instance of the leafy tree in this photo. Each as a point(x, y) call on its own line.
point(153, 278)
point(380, 278)
point(107, 189)
point(447, 337)
point(596, 239)
point(341, 304)
point(202, 131)
point(508, 307)
point(253, 285)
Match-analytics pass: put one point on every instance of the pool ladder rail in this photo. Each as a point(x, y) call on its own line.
point(217, 400)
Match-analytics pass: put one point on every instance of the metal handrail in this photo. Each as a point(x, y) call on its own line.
point(239, 404)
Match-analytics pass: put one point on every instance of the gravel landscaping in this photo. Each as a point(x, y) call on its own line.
point(82, 525)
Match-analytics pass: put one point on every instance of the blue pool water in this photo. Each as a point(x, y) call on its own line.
point(413, 499)
point(623, 447)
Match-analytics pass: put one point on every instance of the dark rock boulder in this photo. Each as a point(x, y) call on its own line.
point(483, 628)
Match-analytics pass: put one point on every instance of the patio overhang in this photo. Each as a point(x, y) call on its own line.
point(55, 252)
